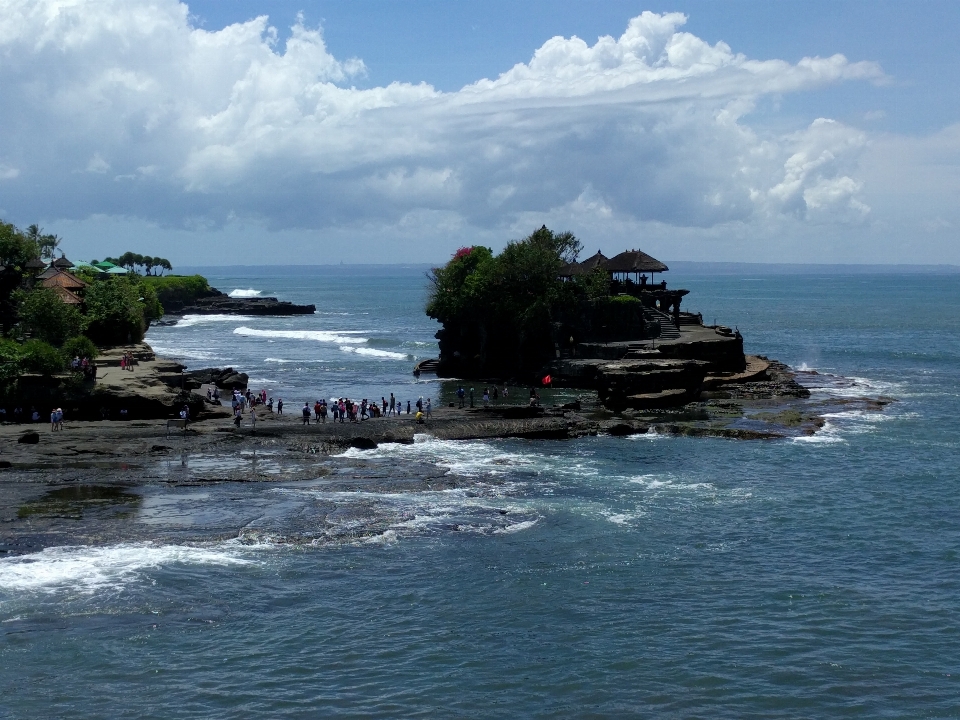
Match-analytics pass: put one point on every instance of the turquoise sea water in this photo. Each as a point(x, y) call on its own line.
point(644, 577)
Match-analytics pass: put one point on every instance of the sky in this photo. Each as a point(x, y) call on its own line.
point(278, 132)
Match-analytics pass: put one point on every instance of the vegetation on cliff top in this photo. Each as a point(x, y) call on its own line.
point(499, 312)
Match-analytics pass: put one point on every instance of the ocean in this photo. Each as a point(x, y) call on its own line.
point(650, 576)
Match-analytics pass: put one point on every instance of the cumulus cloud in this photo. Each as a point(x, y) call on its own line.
point(123, 108)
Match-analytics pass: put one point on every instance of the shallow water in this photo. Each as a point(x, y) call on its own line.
point(606, 577)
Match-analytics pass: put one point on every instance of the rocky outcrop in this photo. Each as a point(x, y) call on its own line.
point(223, 378)
point(221, 304)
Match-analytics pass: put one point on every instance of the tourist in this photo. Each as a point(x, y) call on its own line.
point(306, 413)
point(486, 397)
point(336, 411)
point(316, 410)
point(383, 401)
point(34, 415)
point(393, 403)
point(280, 406)
point(461, 394)
point(420, 403)
point(471, 397)
point(343, 409)
point(363, 409)
point(419, 417)
point(236, 417)
point(428, 407)
point(53, 420)
point(253, 418)
point(18, 414)
point(123, 361)
point(59, 418)
point(323, 411)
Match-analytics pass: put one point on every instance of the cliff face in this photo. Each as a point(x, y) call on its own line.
point(484, 347)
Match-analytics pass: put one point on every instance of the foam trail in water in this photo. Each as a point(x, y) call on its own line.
point(191, 320)
point(90, 568)
point(248, 293)
point(371, 352)
point(341, 337)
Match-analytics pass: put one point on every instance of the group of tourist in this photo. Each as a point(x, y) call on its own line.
point(19, 416)
point(84, 366)
point(485, 397)
point(344, 409)
point(127, 361)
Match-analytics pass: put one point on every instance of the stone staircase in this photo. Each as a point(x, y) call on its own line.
point(668, 331)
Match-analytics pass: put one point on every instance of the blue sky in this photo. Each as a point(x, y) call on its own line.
point(387, 131)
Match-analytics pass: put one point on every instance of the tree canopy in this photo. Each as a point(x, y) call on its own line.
point(132, 261)
point(497, 310)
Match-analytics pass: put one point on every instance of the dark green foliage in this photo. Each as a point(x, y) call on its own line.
point(45, 316)
point(16, 249)
point(11, 360)
point(499, 312)
point(115, 311)
point(41, 357)
point(79, 346)
point(177, 290)
point(132, 261)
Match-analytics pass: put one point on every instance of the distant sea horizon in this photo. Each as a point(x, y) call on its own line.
point(678, 266)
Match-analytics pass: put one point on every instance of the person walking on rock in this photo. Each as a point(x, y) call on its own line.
point(471, 397)
point(306, 413)
point(280, 406)
point(461, 394)
point(393, 404)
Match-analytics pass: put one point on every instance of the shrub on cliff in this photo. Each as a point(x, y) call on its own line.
point(79, 346)
point(45, 316)
point(11, 362)
point(175, 291)
point(41, 357)
point(497, 311)
point(115, 311)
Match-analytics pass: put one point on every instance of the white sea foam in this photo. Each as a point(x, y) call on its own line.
point(190, 320)
point(278, 360)
point(170, 351)
point(341, 337)
point(87, 569)
point(372, 352)
point(248, 293)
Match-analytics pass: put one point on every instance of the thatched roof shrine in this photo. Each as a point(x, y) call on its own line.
point(634, 261)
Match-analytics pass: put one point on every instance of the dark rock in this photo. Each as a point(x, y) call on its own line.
point(5, 464)
point(575, 405)
point(623, 429)
point(221, 304)
point(29, 438)
point(363, 443)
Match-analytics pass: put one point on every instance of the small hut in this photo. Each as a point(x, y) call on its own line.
point(583, 268)
point(633, 262)
point(65, 284)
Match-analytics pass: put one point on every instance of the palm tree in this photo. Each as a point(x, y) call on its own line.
point(48, 245)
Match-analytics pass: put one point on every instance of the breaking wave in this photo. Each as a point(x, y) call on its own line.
point(340, 337)
point(248, 293)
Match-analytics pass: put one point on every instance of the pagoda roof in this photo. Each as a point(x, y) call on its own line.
point(68, 297)
point(582, 268)
point(63, 279)
point(62, 263)
point(634, 261)
point(35, 264)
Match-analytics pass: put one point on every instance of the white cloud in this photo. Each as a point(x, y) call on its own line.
point(134, 113)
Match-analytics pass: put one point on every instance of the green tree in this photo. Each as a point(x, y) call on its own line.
point(11, 363)
point(79, 346)
point(498, 312)
point(43, 314)
point(41, 357)
point(115, 311)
